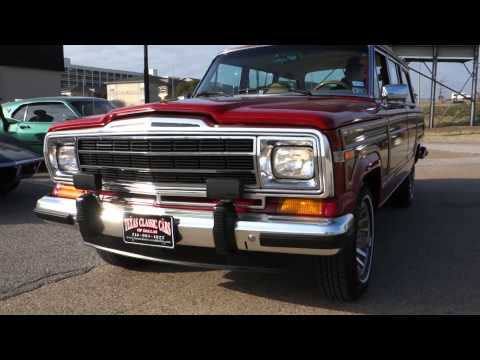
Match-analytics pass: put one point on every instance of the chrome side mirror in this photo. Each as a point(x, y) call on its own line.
point(395, 93)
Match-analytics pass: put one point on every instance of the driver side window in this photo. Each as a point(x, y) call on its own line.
point(381, 73)
point(20, 113)
point(53, 112)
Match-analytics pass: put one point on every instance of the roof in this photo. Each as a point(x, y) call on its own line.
point(241, 47)
point(387, 48)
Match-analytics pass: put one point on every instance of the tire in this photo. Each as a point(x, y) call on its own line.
point(342, 277)
point(121, 261)
point(405, 194)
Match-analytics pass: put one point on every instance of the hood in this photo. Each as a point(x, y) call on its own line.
point(13, 151)
point(296, 111)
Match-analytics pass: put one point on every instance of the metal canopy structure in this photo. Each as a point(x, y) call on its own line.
point(443, 53)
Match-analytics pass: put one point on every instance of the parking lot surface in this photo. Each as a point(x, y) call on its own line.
point(427, 261)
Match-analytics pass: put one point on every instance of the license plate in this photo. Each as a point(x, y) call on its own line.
point(149, 230)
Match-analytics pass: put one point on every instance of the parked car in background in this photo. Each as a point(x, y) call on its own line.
point(29, 120)
point(16, 160)
point(460, 98)
point(283, 152)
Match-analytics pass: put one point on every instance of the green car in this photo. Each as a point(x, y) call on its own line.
point(29, 120)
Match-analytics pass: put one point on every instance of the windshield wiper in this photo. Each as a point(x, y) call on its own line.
point(210, 93)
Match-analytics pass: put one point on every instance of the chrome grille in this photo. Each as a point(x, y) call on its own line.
point(167, 145)
point(163, 160)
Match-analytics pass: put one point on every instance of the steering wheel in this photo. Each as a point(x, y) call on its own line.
point(332, 82)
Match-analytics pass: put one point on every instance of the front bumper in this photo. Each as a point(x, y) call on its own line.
point(253, 232)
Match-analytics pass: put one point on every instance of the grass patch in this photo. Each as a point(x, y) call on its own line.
point(450, 114)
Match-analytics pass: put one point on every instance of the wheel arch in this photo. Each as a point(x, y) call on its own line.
point(368, 172)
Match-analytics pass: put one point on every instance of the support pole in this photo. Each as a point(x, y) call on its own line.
point(146, 75)
point(419, 84)
point(434, 88)
point(473, 107)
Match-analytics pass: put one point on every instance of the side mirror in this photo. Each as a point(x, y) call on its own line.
point(395, 93)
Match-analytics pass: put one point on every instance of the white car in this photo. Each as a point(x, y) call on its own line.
point(457, 98)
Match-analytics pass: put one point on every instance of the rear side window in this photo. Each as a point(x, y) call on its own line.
point(49, 112)
point(19, 114)
point(91, 107)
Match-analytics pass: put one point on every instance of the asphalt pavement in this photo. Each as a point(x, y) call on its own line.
point(427, 261)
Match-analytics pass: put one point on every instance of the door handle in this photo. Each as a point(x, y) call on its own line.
point(24, 126)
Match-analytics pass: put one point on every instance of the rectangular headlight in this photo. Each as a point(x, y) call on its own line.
point(291, 162)
point(66, 158)
point(61, 157)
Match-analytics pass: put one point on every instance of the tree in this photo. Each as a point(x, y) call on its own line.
point(185, 87)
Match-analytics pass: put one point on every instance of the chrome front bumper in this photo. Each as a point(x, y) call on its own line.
point(253, 232)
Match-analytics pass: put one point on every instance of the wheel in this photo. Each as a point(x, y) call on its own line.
point(404, 195)
point(121, 261)
point(6, 188)
point(345, 276)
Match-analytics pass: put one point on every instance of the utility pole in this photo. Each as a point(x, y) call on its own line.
point(146, 75)
point(473, 107)
point(433, 88)
point(419, 82)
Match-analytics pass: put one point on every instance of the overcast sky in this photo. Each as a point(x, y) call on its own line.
point(193, 60)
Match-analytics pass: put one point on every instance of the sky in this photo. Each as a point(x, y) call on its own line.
point(193, 61)
point(171, 60)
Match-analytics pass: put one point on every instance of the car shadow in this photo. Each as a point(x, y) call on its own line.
point(17, 206)
point(427, 259)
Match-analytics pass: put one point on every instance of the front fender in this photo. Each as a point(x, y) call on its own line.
point(367, 171)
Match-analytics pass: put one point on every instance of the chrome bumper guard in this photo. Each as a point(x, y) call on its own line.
point(253, 232)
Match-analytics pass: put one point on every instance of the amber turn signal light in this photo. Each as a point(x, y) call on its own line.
point(67, 191)
point(306, 207)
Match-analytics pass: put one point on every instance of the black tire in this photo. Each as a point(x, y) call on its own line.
point(339, 277)
point(121, 261)
point(405, 194)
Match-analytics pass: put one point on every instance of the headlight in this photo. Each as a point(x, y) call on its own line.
point(66, 158)
point(62, 157)
point(293, 163)
point(289, 163)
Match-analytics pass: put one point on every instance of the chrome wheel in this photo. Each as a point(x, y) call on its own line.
point(364, 240)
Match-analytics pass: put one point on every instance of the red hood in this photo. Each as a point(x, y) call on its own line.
point(317, 112)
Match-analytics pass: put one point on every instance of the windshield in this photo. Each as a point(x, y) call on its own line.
point(289, 70)
point(91, 107)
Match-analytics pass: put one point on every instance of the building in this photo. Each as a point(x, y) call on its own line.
point(88, 80)
point(28, 71)
point(132, 91)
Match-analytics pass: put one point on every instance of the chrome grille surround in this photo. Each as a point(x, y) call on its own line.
point(147, 127)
